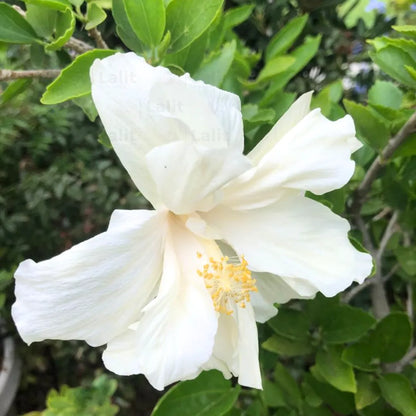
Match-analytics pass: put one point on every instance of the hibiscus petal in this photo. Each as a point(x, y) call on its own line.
point(142, 107)
point(176, 334)
point(297, 239)
point(96, 289)
point(273, 289)
point(187, 175)
point(297, 111)
point(236, 348)
point(313, 155)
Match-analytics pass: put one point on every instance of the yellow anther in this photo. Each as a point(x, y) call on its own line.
point(227, 282)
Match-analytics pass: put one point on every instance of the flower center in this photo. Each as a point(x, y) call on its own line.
point(228, 282)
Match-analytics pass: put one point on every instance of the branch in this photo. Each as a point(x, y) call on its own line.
point(10, 75)
point(99, 41)
point(380, 161)
point(78, 46)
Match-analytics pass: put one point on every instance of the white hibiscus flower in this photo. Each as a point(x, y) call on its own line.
point(157, 287)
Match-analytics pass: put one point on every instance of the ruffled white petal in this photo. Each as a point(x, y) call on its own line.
point(175, 335)
point(96, 289)
point(236, 347)
point(313, 155)
point(297, 239)
point(142, 107)
point(297, 111)
point(188, 176)
point(273, 289)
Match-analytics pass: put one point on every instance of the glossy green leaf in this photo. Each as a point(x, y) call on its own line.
point(345, 324)
point(215, 68)
point(147, 19)
point(335, 371)
point(392, 336)
point(291, 324)
point(124, 29)
point(409, 30)
point(208, 395)
point(398, 392)
point(237, 15)
point(392, 61)
point(386, 94)
point(367, 391)
point(188, 19)
point(272, 69)
point(285, 38)
point(95, 15)
point(87, 105)
point(286, 347)
point(74, 80)
point(370, 127)
point(14, 28)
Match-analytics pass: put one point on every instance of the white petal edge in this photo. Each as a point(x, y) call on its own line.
point(297, 239)
point(175, 335)
point(96, 289)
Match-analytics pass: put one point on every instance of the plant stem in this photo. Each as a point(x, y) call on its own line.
point(10, 75)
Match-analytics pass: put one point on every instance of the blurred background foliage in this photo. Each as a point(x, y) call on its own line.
point(60, 181)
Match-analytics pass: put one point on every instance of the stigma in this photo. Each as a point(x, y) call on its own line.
point(228, 282)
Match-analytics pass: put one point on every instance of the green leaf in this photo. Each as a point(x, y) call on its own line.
point(188, 19)
point(14, 28)
point(147, 19)
point(124, 29)
point(392, 336)
point(345, 324)
point(386, 94)
point(42, 19)
point(367, 391)
point(237, 15)
point(273, 395)
point(291, 324)
point(369, 126)
point(286, 347)
point(95, 15)
point(274, 67)
point(388, 342)
point(74, 80)
point(87, 105)
point(409, 30)
point(392, 61)
point(341, 402)
point(14, 89)
point(289, 386)
point(407, 259)
point(65, 26)
point(208, 395)
point(60, 5)
point(285, 38)
point(335, 371)
point(398, 392)
point(215, 68)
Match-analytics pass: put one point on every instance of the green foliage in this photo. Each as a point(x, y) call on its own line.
point(208, 395)
point(82, 401)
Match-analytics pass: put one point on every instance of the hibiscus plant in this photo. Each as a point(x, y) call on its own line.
point(263, 261)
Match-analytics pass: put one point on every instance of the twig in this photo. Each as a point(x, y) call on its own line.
point(78, 46)
point(9, 75)
point(379, 301)
point(409, 301)
point(348, 296)
point(96, 35)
